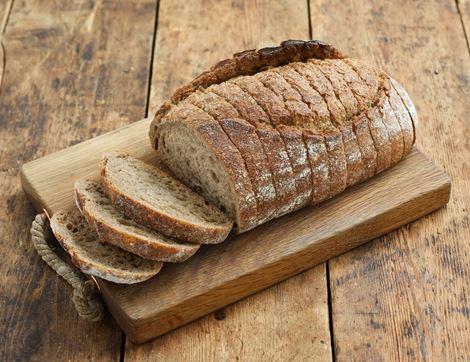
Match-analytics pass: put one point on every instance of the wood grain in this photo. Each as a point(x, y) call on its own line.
point(404, 296)
point(284, 322)
point(66, 79)
point(463, 7)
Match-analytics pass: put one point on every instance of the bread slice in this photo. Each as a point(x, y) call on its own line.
point(96, 257)
point(117, 229)
point(197, 150)
point(153, 198)
point(404, 118)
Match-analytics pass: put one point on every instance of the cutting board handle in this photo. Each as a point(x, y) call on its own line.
point(85, 292)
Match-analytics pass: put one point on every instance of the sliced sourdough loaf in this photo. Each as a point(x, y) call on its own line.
point(324, 121)
point(155, 199)
point(117, 229)
point(96, 257)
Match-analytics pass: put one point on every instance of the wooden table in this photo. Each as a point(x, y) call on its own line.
point(75, 69)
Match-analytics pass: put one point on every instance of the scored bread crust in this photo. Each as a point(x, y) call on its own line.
point(346, 120)
point(65, 224)
point(149, 215)
point(252, 61)
point(159, 248)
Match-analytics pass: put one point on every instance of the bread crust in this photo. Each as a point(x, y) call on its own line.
point(319, 166)
point(145, 214)
point(252, 61)
point(323, 86)
point(366, 145)
point(244, 137)
point(299, 114)
point(403, 117)
point(380, 136)
point(394, 130)
point(133, 243)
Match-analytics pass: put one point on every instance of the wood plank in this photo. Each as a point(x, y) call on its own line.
point(252, 330)
point(66, 79)
point(405, 296)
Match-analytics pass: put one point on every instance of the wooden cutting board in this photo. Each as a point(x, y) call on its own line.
point(242, 265)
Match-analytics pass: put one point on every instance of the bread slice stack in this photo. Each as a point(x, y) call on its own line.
point(135, 219)
point(259, 135)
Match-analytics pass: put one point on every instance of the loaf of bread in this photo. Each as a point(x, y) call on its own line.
point(270, 131)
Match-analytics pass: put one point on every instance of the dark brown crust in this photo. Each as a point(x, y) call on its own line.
point(364, 94)
point(394, 131)
point(365, 98)
point(281, 169)
point(273, 105)
point(269, 101)
point(322, 85)
point(246, 106)
point(299, 113)
point(379, 133)
point(252, 61)
point(322, 125)
point(340, 87)
point(338, 165)
point(371, 76)
point(159, 221)
point(213, 135)
point(162, 252)
point(321, 115)
point(298, 155)
point(354, 161)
